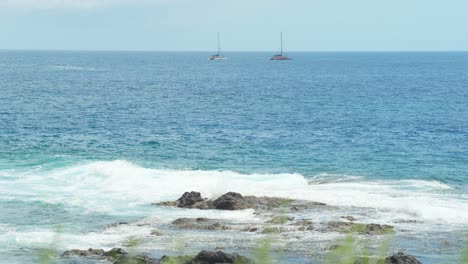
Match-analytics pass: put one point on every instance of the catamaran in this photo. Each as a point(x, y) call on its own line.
point(218, 55)
point(280, 56)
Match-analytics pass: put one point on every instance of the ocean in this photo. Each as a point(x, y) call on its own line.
point(92, 138)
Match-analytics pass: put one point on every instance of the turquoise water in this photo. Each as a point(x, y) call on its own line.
point(90, 138)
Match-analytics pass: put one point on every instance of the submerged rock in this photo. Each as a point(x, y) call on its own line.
point(401, 258)
point(199, 223)
point(370, 229)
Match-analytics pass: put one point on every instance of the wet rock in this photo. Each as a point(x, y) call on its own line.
point(116, 224)
point(376, 229)
point(298, 205)
point(84, 253)
point(115, 255)
point(250, 229)
point(189, 199)
point(211, 257)
point(370, 229)
point(401, 258)
point(349, 218)
point(156, 233)
point(235, 201)
point(232, 201)
point(199, 223)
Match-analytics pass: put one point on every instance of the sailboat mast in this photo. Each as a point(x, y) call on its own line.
point(281, 37)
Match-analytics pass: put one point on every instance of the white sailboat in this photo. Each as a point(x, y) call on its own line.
point(280, 56)
point(218, 55)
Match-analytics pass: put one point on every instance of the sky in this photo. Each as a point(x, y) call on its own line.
point(244, 25)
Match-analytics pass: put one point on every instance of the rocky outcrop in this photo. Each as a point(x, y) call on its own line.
point(199, 223)
point(115, 255)
point(235, 201)
point(120, 256)
point(401, 258)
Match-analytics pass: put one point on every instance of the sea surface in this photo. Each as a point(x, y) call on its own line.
point(92, 138)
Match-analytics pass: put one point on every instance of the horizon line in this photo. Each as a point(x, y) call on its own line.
point(233, 51)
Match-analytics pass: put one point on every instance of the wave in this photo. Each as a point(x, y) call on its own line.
point(115, 186)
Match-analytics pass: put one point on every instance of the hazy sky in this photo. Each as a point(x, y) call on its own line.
point(245, 25)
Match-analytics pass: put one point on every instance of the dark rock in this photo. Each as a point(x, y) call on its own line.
point(235, 201)
point(231, 201)
point(199, 223)
point(211, 257)
point(401, 258)
point(192, 200)
point(250, 229)
point(83, 253)
point(115, 255)
point(189, 199)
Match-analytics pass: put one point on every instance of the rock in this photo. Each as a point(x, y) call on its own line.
point(192, 200)
point(235, 201)
point(250, 229)
point(83, 253)
point(370, 229)
point(199, 223)
point(115, 255)
point(176, 259)
point(349, 218)
point(376, 229)
point(211, 257)
point(156, 233)
point(231, 201)
point(189, 199)
point(116, 224)
point(401, 258)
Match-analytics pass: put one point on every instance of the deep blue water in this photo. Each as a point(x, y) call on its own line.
point(386, 115)
point(378, 116)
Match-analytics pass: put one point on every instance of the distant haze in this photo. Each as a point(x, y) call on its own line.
point(245, 25)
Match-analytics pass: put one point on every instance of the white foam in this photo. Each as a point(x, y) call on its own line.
point(113, 186)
